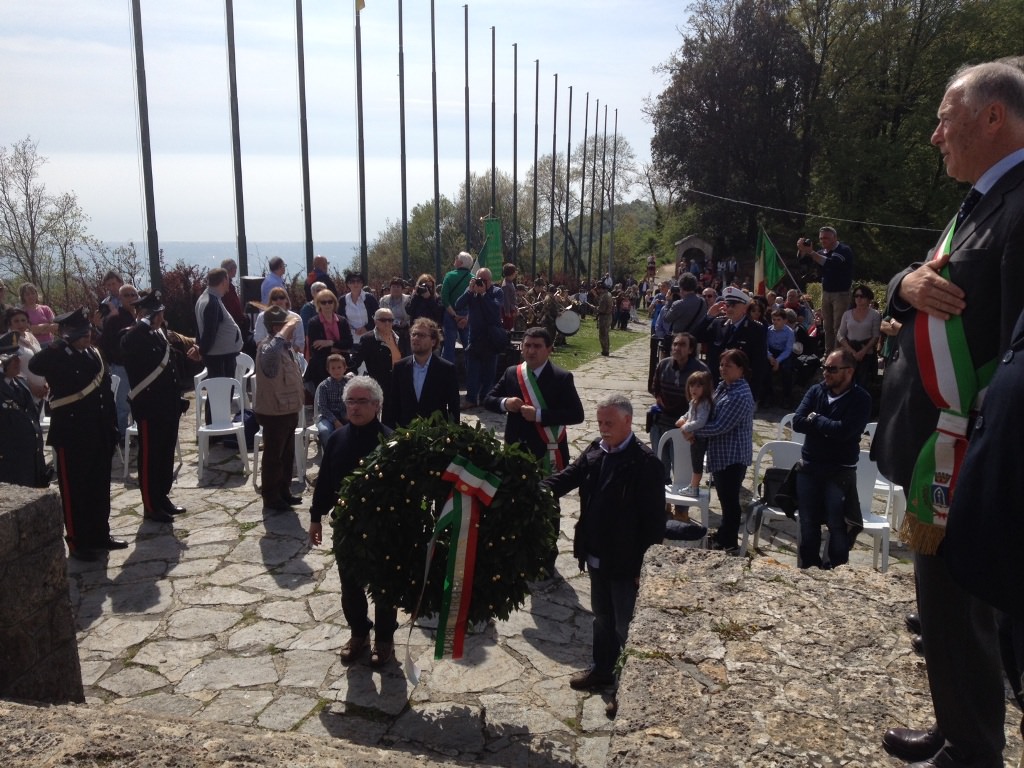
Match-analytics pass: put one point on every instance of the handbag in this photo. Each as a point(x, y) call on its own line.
point(778, 488)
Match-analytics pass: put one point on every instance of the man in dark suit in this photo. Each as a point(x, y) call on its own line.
point(974, 276)
point(540, 399)
point(156, 405)
point(728, 326)
point(423, 382)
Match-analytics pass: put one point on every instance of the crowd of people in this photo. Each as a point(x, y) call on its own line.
point(716, 351)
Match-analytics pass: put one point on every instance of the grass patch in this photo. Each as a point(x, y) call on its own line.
point(246, 527)
point(584, 346)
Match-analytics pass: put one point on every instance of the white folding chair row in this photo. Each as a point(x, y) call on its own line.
point(219, 392)
point(681, 474)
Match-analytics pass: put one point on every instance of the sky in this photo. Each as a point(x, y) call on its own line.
point(67, 80)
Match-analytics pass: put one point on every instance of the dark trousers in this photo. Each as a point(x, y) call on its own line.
point(653, 363)
point(612, 602)
point(83, 474)
point(823, 498)
point(157, 439)
point(480, 369)
point(965, 675)
point(278, 455)
point(356, 608)
point(727, 485)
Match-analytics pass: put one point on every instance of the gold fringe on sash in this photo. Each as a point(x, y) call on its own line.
point(923, 538)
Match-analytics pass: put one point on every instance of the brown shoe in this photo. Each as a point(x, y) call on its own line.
point(381, 654)
point(351, 650)
point(590, 679)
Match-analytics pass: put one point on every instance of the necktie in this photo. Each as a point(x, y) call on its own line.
point(967, 205)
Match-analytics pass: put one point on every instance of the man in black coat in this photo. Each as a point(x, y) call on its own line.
point(622, 513)
point(425, 383)
point(83, 430)
point(975, 274)
point(540, 400)
point(155, 396)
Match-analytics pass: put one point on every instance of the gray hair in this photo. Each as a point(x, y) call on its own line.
point(981, 84)
point(464, 260)
point(315, 288)
point(369, 384)
point(617, 401)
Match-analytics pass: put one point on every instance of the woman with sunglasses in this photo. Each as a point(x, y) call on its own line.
point(279, 298)
point(859, 333)
point(328, 333)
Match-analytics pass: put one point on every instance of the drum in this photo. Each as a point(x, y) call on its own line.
point(567, 323)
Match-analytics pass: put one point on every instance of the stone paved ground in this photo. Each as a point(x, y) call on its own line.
point(228, 616)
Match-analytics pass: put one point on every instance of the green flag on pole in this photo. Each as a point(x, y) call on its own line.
point(491, 253)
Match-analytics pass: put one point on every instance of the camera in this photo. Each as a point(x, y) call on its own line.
point(807, 241)
point(423, 289)
point(478, 282)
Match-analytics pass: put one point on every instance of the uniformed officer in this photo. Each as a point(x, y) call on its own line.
point(156, 403)
point(21, 449)
point(83, 431)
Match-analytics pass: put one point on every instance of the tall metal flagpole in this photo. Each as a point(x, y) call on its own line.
point(494, 129)
point(604, 159)
point(536, 138)
point(568, 171)
point(236, 142)
point(307, 214)
point(583, 186)
point(401, 133)
point(593, 192)
point(611, 194)
point(152, 243)
point(551, 206)
point(469, 202)
point(437, 170)
point(364, 264)
point(515, 153)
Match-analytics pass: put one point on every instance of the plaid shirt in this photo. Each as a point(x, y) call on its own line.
point(731, 427)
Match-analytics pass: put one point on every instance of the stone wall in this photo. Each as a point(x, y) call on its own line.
point(38, 648)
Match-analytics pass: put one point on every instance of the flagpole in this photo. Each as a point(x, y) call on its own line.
point(551, 206)
point(593, 190)
point(568, 168)
point(361, 165)
point(437, 170)
point(402, 151)
point(307, 214)
point(515, 153)
point(536, 138)
point(494, 128)
point(469, 201)
point(152, 243)
point(611, 194)
point(236, 143)
point(583, 189)
point(604, 159)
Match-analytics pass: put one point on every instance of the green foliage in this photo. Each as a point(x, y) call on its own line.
point(389, 505)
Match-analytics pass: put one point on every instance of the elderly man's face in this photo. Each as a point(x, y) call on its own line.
point(614, 424)
point(957, 135)
point(360, 406)
point(827, 239)
point(680, 349)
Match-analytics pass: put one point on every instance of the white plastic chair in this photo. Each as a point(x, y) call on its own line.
point(895, 504)
point(196, 381)
point(218, 392)
point(133, 431)
point(783, 453)
point(299, 464)
point(245, 372)
point(786, 425)
point(876, 526)
point(681, 475)
point(115, 382)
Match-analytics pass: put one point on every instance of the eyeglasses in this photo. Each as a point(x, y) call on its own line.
point(835, 368)
point(357, 401)
point(385, 319)
point(326, 303)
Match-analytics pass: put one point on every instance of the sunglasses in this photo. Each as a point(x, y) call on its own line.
point(385, 319)
point(835, 368)
point(326, 303)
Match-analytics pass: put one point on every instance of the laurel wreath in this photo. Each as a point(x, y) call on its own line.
point(388, 506)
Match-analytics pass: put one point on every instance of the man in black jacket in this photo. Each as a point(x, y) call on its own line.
point(622, 513)
point(425, 383)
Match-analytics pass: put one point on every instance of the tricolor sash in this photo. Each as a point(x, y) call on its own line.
point(553, 434)
point(955, 387)
point(471, 486)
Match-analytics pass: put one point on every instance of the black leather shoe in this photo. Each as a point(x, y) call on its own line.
point(170, 508)
point(917, 643)
point(277, 506)
point(85, 555)
point(590, 679)
point(112, 543)
point(293, 500)
point(157, 516)
point(913, 622)
point(909, 744)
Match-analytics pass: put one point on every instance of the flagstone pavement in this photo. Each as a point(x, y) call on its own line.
point(228, 615)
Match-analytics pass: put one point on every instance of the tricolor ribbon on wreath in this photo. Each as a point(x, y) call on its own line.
point(471, 487)
point(955, 387)
point(553, 434)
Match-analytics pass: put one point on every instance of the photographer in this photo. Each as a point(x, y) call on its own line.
point(487, 338)
point(835, 259)
point(424, 301)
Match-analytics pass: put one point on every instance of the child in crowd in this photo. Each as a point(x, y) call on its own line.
point(698, 390)
point(329, 406)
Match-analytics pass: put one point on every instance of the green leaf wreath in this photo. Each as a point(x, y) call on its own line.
point(388, 506)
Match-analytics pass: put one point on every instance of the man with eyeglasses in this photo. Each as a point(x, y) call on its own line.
point(345, 448)
point(379, 351)
point(425, 383)
point(833, 415)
